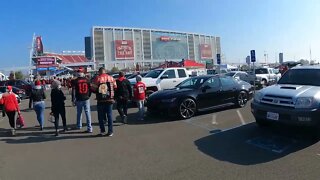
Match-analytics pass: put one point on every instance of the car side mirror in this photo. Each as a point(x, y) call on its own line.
point(164, 76)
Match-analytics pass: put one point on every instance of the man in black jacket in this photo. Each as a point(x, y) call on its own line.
point(58, 106)
point(81, 97)
point(122, 95)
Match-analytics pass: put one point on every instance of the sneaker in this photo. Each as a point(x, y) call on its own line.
point(102, 134)
point(88, 131)
point(109, 134)
point(125, 119)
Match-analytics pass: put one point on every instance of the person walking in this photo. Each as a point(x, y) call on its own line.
point(139, 91)
point(37, 98)
point(10, 107)
point(81, 97)
point(58, 106)
point(122, 95)
point(105, 86)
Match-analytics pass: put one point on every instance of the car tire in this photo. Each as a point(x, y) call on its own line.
point(264, 83)
point(187, 108)
point(242, 99)
point(262, 123)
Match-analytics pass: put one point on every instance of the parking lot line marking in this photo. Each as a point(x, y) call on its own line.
point(214, 119)
point(241, 118)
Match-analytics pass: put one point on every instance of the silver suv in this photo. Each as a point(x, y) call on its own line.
point(295, 99)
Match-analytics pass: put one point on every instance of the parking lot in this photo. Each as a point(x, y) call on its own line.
point(220, 144)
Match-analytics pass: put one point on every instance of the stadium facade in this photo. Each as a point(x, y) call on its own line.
point(128, 47)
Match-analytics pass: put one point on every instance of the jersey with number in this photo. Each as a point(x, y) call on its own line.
point(82, 89)
point(139, 91)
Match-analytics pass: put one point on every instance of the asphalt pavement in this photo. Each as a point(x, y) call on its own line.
point(220, 144)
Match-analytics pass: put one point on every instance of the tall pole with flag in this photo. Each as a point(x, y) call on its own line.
point(31, 55)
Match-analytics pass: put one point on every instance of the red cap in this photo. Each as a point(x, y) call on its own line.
point(37, 83)
point(81, 70)
point(9, 88)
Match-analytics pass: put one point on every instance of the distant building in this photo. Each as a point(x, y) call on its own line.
point(280, 58)
point(127, 47)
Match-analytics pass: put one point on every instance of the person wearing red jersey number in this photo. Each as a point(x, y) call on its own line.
point(81, 93)
point(139, 91)
point(10, 107)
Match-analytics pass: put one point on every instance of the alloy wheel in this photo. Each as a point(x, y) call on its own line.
point(187, 108)
point(242, 99)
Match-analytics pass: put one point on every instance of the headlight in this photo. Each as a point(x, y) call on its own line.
point(304, 102)
point(257, 97)
point(168, 100)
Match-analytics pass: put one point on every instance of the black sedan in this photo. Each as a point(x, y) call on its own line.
point(200, 93)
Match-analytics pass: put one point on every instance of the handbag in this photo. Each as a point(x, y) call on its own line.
point(51, 118)
point(20, 121)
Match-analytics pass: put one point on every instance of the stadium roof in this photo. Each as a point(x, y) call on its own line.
point(69, 58)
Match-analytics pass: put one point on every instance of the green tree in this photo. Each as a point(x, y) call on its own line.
point(114, 70)
point(19, 75)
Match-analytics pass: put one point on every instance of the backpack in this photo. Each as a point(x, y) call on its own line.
point(104, 91)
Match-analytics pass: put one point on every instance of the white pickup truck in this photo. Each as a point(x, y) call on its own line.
point(267, 76)
point(160, 79)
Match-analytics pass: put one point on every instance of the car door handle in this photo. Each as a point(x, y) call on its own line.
point(174, 81)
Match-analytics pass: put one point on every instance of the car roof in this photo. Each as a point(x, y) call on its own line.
point(307, 67)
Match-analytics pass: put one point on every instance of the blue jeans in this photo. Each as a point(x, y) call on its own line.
point(39, 109)
point(140, 104)
point(103, 109)
point(86, 106)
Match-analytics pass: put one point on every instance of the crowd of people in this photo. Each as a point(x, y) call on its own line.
point(108, 91)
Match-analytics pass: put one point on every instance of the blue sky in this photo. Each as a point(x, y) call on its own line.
point(273, 26)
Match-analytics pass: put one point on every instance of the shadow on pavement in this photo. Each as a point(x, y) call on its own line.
point(237, 145)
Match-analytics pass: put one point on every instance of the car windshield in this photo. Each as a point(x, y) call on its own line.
point(261, 71)
point(231, 74)
point(192, 83)
point(154, 74)
point(301, 77)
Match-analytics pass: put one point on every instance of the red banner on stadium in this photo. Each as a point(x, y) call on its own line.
point(44, 62)
point(205, 51)
point(124, 49)
point(39, 45)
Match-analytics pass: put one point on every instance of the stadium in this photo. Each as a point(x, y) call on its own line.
point(131, 47)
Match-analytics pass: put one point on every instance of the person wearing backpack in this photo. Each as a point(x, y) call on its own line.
point(10, 107)
point(81, 97)
point(105, 87)
point(139, 91)
point(122, 96)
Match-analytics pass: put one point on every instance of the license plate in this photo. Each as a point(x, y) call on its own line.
point(273, 116)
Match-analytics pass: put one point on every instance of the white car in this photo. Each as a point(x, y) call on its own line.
point(160, 79)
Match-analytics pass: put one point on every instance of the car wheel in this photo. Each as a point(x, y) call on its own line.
point(264, 83)
point(187, 108)
point(242, 99)
point(261, 122)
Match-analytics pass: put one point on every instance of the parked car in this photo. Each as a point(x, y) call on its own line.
point(134, 75)
point(294, 100)
point(243, 76)
point(20, 92)
point(266, 76)
point(21, 84)
point(200, 93)
point(160, 79)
